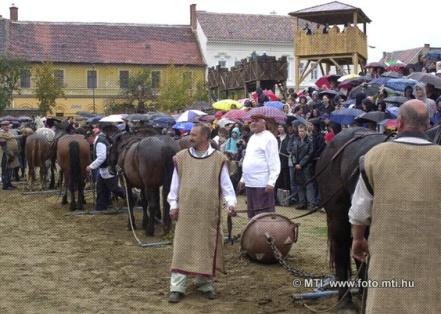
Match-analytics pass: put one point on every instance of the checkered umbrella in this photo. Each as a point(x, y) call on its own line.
point(235, 114)
point(268, 112)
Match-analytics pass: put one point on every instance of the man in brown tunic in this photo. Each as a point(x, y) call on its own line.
point(9, 154)
point(399, 196)
point(199, 180)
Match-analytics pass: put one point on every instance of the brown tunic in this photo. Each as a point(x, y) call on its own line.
point(198, 240)
point(404, 239)
point(11, 148)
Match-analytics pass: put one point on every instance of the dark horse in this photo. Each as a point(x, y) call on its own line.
point(147, 163)
point(73, 156)
point(338, 172)
point(39, 151)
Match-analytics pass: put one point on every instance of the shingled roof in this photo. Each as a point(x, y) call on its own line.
point(103, 43)
point(407, 56)
point(246, 27)
point(333, 13)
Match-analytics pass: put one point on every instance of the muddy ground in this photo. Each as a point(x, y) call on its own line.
point(52, 262)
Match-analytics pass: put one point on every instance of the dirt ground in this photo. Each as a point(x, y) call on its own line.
point(52, 262)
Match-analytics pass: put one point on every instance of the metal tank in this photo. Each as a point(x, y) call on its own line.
point(254, 243)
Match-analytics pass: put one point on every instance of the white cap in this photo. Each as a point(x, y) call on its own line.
point(438, 72)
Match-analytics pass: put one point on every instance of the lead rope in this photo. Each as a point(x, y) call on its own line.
point(121, 174)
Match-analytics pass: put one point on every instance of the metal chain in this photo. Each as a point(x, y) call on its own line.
point(291, 269)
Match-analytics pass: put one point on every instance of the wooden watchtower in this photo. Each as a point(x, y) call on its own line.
point(343, 43)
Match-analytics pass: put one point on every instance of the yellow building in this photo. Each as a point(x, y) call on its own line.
point(92, 61)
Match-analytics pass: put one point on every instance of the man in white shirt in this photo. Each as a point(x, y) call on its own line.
point(260, 169)
point(106, 182)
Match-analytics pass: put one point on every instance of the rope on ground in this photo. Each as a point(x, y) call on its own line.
point(140, 243)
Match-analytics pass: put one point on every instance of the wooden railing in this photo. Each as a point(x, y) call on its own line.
point(350, 41)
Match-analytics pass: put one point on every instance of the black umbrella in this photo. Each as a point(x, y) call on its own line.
point(200, 105)
point(368, 89)
point(395, 99)
point(24, 118)
point(329, 92)
point(8, 118)
point(373, 116)
point(85, 114)
point(137, 117)
point(426, 78)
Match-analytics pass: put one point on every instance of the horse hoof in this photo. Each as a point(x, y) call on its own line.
point(130, 228)
point(346, 304)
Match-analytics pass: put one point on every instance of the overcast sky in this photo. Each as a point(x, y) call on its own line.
point(396, 25)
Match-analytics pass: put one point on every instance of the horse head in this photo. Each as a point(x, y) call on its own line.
point(118, 143)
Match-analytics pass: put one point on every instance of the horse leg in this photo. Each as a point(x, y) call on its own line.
point(81, 195)
point(52, 168)
point(339, 231)
point(144, 205)
point(153, 200)
point(31, 177)
point(43, 177)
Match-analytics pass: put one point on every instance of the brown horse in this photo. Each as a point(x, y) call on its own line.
point(147, 163)
point(73, 156)
point(38, 152)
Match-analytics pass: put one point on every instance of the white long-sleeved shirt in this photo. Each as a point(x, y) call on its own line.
point(261, 165)
point(226, 186)
point(361, 208)
point(101, 155)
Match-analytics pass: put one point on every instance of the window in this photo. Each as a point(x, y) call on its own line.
point(222, 63)
point(91, 79)
point(314, 74)
point(187, 78)
point(156, 79)
point(123, 79)
point(25, 79)
point(59, 77)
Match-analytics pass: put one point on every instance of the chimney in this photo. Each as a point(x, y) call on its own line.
point(193, 18)
point(13, 13)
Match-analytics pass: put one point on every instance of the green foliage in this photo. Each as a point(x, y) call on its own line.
point(10, 71)
point(178, 89)
point(139, 88)
point(47, 87)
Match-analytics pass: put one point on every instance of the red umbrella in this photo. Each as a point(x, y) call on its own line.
point(326, 80)
point(268, 112)
point(269, 93)
point(235, 114)
point(396, 67)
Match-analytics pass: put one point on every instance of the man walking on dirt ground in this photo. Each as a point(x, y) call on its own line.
point(199, 179)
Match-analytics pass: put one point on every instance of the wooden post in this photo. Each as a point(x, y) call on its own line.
point(355, 18)
point(257, 84)
point(297, 71)
point(355, 62)
point(321, 69)
point(364, 28)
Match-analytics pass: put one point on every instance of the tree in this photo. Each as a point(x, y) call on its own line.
point(47, 87)
point(139, 88)
point(177, 91)
point(10, 71)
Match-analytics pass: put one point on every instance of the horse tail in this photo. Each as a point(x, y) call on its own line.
point(74, 165)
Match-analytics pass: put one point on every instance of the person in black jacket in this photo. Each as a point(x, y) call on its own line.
point(282, 141)
point(302, 156)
